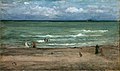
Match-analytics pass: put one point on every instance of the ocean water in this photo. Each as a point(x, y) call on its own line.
point(60, 34)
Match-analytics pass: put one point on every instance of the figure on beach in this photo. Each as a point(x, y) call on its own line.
point(33, 44)
point(80, 54)
point(45, 40)
point(96, 49)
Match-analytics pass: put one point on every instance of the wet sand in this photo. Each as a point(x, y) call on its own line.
point(62, 59)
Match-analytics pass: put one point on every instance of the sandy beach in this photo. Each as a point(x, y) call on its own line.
point(68, 59)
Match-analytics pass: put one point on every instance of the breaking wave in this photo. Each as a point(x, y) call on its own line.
point(90, 31)
point(58, 36)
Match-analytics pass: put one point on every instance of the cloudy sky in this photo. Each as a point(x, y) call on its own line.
point(59, 9)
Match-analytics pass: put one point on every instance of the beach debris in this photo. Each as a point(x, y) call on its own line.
point(14, 63)
point(80, 54)
point(96, 49)
point(74, 47)
point(51, 52)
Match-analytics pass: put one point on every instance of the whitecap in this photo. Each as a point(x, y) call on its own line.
point(80, 34)
point(62, 39)
point(66, 44)
point(88, 31)
point(48, 36)
point(40, 40)
point(95, 35)
point(26, 35)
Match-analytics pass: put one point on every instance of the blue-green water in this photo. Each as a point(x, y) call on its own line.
point(60, 34)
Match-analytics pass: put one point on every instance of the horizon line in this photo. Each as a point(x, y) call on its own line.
point(67, 20)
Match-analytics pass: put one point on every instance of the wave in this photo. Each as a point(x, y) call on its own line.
point(40, 40)
point(65, 44)
point(78, 44)
point(102, 31)
point(59, 36)
point(26, 35)
point(76, 33)
point(62, 39)
point(89, 31)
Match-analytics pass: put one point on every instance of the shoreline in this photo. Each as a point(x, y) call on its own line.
point(115, 44)
point(83, 58)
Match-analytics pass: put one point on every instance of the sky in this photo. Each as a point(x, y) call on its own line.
point(59, 9)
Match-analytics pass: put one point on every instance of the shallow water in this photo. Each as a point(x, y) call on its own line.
point(60, 34)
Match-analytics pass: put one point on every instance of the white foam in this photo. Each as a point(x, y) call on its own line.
point(83, 35)
point(40, 40)
point(95, 35)
point(80, 35)
point(66, 44)
point(58, 36)
point(26, 35)
point(89, 31)
point(62, 39)
point(48, 36)
point(102, 31)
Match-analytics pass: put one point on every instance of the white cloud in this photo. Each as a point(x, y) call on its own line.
point(81, 10)
point(99, 11)
point(92, 6)
point(98, 8)
point(60, 2)
point(44, 11)
point(72, 9)
point(75, 10)
point(5, 5)
point(26, 3)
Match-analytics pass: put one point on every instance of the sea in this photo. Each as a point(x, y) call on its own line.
point(59, 34)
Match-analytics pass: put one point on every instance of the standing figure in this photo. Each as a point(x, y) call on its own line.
point(33, 44)
point(96, 49)
point(45, 40)
point(80, 54)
